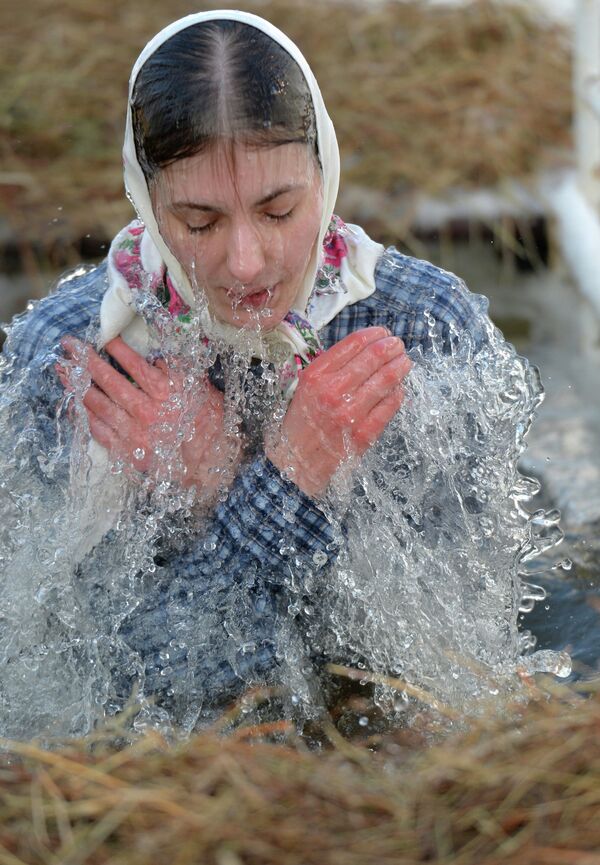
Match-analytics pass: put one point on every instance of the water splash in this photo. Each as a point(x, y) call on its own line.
point(428, 585)
point(431, 526)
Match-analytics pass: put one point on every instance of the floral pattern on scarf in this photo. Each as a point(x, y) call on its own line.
point(335, 249)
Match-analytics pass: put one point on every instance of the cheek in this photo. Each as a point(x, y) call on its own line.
point(181, 243)
point(190, 252)
point(298, 248)
point(301, 242)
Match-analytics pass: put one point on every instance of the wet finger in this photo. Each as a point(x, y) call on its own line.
point(113, 383)
point(367, 362)
point(343, 351)
point(102, 433)
point(370, 430)
point(114, 442)
point(173, 379)
point(151, 378)
point(62, 376)
point(106, 410)
point(379, 386)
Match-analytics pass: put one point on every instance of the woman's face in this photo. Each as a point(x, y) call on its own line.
point(242, 221)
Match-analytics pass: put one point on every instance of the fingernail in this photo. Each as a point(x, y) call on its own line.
point(69, 343)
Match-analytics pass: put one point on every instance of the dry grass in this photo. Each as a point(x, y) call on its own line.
point(422, 99)
point(522, 790)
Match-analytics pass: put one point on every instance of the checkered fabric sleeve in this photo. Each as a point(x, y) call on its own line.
point(73, 306)
point(414, 299)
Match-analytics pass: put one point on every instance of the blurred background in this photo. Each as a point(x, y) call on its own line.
point(447, 114)
point(469, 136)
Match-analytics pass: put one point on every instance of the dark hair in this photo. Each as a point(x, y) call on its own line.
point(218, 80)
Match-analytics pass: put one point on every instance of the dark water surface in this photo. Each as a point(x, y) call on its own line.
point(570, 617)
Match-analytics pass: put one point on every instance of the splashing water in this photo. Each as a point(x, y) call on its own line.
point(430, 524)
point(428, 585)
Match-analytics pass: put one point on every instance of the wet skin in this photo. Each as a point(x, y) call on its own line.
point(243, 223)
point(249, 241)
point(129, 419)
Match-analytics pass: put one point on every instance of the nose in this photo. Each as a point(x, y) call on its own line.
point(245, 253)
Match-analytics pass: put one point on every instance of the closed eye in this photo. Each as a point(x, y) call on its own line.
point(204, 229)
point(279, 217)
point(199, 229)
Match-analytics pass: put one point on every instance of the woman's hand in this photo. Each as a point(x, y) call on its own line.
point(133, 423)
point(343, 402)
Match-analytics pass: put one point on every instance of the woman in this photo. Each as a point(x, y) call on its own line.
point(238, 349)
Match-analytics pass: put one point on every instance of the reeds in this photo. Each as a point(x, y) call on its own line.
point(422, 98)
point(523, 789)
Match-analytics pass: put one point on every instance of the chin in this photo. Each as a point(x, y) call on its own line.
point(253, 319)
point(272, 321)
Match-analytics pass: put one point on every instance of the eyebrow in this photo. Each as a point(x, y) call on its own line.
point(210, 208)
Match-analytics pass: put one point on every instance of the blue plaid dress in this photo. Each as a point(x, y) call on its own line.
point(244, 531)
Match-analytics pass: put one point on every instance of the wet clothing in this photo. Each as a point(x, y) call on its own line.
point(240, 548)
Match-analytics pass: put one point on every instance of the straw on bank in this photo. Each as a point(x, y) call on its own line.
point(524, 790)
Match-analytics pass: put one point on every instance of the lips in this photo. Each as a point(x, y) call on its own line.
point(254, 297)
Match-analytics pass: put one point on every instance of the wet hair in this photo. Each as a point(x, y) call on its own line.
point(218, 80)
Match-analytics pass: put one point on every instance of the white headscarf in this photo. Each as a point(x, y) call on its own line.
point(118, 315)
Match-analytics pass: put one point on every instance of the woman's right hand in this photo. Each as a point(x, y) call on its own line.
point(343, 402)
point(136, 420)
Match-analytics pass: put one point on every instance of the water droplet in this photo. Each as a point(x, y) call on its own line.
point(547, 661)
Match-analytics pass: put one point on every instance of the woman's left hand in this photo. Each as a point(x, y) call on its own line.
point(132, 422)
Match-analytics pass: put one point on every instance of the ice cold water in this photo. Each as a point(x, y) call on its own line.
point(114, 583)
